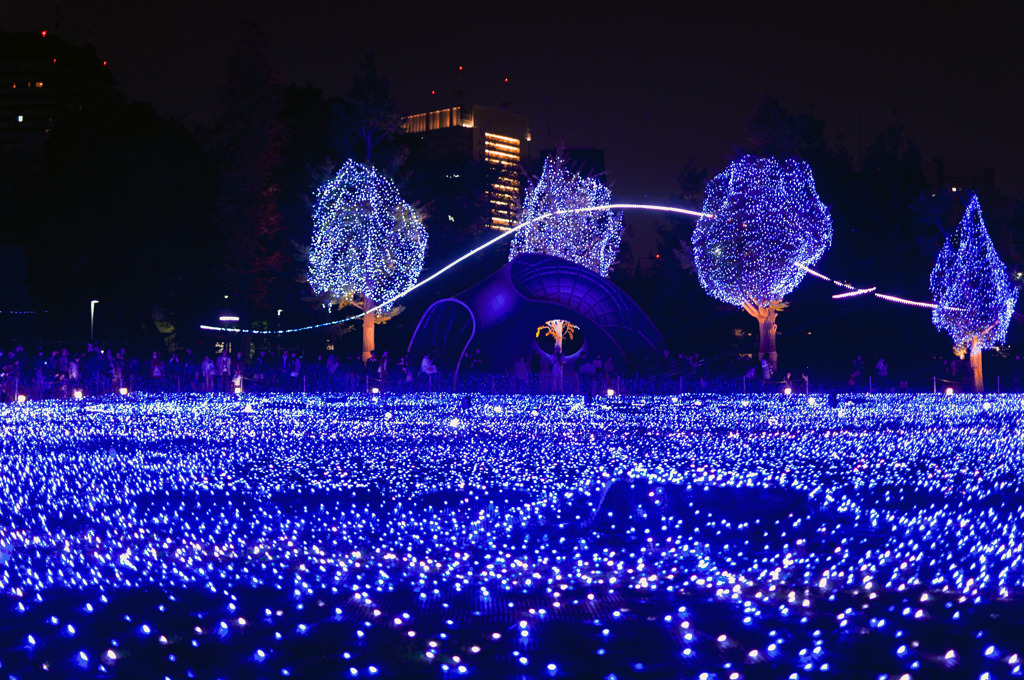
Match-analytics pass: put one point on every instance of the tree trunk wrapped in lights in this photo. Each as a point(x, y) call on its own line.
point(767, 328)
point(763, 224)
point(974, 297)
point(368, 244)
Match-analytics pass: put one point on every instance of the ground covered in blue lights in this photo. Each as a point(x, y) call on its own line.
point(512, 536)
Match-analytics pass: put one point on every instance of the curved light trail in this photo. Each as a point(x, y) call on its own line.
point(499, 237)
point(853, 291)
point(873, 290)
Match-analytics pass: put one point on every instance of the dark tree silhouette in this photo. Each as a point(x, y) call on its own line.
point(124, 199)
point(249, 139)
point(369, 117)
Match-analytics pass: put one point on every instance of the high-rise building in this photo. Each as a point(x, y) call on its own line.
point(496, 136)
point(44, 79)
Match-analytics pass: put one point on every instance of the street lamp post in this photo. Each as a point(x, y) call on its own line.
point(92, 318)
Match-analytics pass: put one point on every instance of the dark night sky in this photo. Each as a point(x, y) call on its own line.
point(649, 85)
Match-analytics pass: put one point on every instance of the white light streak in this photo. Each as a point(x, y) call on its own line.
point(873, 290)
point(854, 293)
point(813, 273)
point(912, 303)
point(569, 211)
point(439, 272)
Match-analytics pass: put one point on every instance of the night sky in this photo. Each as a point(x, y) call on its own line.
point(650, 85)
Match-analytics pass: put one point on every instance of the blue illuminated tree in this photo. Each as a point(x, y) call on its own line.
point(974, 296)
point(590, 239)
point(368, 243)
point(763, 224)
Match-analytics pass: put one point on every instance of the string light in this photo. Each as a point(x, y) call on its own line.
point(801, 266)
point(763, 219)
point(904, 301)
point(853, 292)
point(974, 296)
point(590, 239)
point(817, 274)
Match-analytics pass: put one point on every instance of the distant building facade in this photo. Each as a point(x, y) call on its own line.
point(496, 136)
point(43, 80)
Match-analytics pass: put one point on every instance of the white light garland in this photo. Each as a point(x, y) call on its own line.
point(463, 258)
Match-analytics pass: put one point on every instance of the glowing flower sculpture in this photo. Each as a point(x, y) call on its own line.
point(589, 239)
point(763, 220)
point(975, 297)
point(368, 243)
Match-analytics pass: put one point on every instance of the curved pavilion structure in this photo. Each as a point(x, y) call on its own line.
point(501, 315)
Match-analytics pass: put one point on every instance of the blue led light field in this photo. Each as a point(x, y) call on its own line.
point(523, 536)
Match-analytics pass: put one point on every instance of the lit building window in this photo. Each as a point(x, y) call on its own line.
point(435, 120)
point(504, 153)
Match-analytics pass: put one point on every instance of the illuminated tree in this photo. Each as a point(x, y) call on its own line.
point(763, 223)
point(974, 295)
point(368, 243)
point(589, 239)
